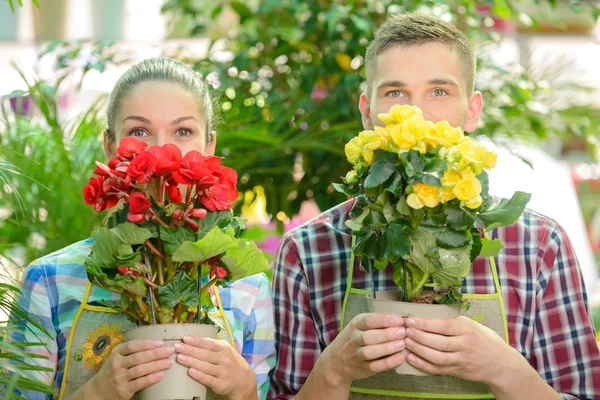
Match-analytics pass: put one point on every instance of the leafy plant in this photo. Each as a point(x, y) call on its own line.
point(163, 250)
point(421, 191)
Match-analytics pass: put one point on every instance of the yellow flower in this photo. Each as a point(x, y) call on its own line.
point(429, 195)
point(400, 113)
point(384, 137)
point(99, 344)
point(490, 160)
point(448, 135)
point(353, 150)
point(432, 135)
point(449, 181)
point(474, 203)
point(403, 137)
point(413, 201)
point(467, 189)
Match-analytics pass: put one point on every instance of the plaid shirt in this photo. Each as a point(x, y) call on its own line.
point(54, 288)
point(546, 304)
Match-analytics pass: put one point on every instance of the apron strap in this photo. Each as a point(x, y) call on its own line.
point(222, 314)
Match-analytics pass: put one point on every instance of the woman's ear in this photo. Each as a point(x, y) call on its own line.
point(211, 146)
point(109, 145)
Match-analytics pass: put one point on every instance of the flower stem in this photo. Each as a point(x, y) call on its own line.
point(154, 249)
point(161, 190)
point(134, 315)
point(178, 312)
point(209, 284)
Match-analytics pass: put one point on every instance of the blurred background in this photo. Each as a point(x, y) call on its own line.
point(286, 76)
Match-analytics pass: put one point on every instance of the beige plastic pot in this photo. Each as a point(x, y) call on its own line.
point(389, 302)
point(176, 384)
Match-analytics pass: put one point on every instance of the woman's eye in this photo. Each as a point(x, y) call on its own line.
point(184, 132)
point(138, 132)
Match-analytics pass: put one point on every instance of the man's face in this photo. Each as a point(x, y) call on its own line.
point(429, 76)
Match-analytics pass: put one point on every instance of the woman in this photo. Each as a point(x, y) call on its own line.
point(159, 101)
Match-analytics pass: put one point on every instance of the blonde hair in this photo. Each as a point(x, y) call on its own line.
point(161, 69)
point(414, 29)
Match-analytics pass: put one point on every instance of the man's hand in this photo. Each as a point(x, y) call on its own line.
point(370, 343)
point(466, 349)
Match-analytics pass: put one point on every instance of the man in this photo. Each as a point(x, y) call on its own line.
point(551, 351)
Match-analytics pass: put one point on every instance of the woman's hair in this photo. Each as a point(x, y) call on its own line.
point(161, 69)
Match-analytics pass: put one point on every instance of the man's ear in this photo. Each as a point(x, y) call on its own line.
point(210, 148)
point(365, 110)
point(109, 145)
point(475, 107)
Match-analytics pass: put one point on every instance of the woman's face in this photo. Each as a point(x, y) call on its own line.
point(160, 113)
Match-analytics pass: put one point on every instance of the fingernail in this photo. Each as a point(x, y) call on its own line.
point(182, 358)
point(410, 332)
point(158, 375)
point(408, 342)
point(411, 322)
point(411, 358)
point(158, 343)
point(169, 349)
point(179, 347)
point(400, 344)
point(401, 332)
point(397, 321)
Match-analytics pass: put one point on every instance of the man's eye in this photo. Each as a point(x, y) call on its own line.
point(439, 92)
point(395, 93)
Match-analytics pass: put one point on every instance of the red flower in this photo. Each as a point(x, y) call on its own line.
point(199, 213)
point(194, 170)
point(130, 147)
point(142, 167)
point(93, 191)
point(137, 218)
point(102, 169)
point(219, 272)
point(138, 203)
point(168, 158)
point(106, 202)
point(174, 194)
point(221, 195)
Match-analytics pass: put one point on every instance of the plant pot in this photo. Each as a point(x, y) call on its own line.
point(390, 302)
point(176, 383)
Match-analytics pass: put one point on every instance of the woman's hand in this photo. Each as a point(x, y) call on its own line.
point(216, 364)
point(131, 367)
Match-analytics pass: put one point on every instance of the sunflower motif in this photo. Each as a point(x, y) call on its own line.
point(99, 344)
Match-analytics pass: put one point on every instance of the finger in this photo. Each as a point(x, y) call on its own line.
point(364, 322)
point(378, 336)
point(206, 343)
point(386, 363)
point(205, 379)
point(425, 366)
point(442, 326)
point(201, 365)
point(377, 351)
point(148, 368)
point(213, 357)
point(147, 356)
point(432, 355)
point(145, 381)
point(134, 346)
point(435, 341)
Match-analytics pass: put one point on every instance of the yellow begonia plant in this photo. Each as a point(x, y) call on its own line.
point(422, 202)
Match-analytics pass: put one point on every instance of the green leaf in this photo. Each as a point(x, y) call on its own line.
point(212, 219)
point(242, 9)
point(173, 238)
point(356, 224)
point(244, 260)
point(105, 246)
point(413, 162)
point(181, 288)
point(402, 206)
point(477, 244)
point(451, 239)
point(361, 23)
point(212, 244)
point(394, 185)
point(393, 243)
point(116, 305)
point(384, 165)
point(130, 233)
point(423, 251)
point(428, 179)
point(348, 191)
point(491, 248)
point(457, 218)
point(506, 213)
point(456, 264)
